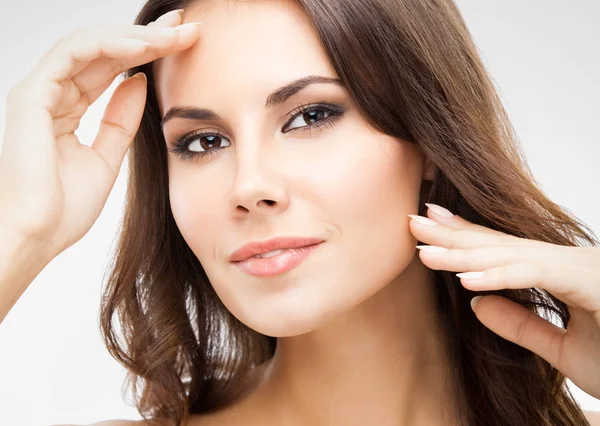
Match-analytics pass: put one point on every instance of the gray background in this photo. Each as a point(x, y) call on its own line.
point(54, 368)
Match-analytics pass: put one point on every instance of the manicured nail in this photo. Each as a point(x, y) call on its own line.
point(141, 76)
point(432, 249)
point(166, 19)
point(474, 301)
point(439, 210)
point(172, 13)
point(470, 275)
point(190, 27)
point(423, 220)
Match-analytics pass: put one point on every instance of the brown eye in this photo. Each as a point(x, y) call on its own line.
point(208, 143)
point(312, 115)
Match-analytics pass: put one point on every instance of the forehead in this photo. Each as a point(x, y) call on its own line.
point(245, 49)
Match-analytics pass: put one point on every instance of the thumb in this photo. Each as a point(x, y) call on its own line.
point(121, 121)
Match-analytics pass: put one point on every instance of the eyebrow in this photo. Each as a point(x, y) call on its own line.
point(278, 97)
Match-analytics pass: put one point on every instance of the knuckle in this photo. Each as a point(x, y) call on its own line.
point(501, 275)
point(454, 238)
point(60, 44)
point(118, 128)
point(60, 41)
point(458, 256)
point(12, 93)
point(16, 92)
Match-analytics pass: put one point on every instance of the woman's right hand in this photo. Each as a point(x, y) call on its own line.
point(52, 187)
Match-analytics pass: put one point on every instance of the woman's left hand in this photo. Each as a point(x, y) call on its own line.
point(571, 274)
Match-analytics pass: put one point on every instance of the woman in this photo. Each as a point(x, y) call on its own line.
point(327, 123)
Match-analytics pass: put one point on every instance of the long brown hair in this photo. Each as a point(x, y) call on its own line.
point(415, 73)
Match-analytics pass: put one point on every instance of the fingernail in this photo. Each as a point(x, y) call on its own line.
point(140, 76)
point(474, 301)
point(470, 275)
point(423, 220)
point(439, 210)
point(172, 13)
point(191, 27)
point(432, 249)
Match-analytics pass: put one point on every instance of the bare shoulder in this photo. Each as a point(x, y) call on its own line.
point(593, 417)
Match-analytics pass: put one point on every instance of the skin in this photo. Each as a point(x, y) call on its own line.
point(359, 341)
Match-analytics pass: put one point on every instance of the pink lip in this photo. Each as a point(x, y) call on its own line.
point(259, 247)
point(277, 264)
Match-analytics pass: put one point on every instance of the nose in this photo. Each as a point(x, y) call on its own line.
point(258, 186)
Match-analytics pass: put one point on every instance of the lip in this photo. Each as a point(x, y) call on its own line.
point(280, 243)
point(278, 264)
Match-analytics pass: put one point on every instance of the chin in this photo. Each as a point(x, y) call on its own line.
point(279, 319)
point(290, 316)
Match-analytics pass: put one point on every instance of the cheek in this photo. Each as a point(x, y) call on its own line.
point(368, 193)
point(371, 192)
point(192, 204)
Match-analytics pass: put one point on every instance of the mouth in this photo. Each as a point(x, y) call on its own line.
point(273, 253)
point(272, 247)
point(277, 261)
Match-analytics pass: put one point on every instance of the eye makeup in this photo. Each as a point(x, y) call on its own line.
point(308, 112)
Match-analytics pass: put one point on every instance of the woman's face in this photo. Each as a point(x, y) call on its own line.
point(342, 182)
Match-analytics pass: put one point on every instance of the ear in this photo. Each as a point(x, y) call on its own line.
point(429, 170)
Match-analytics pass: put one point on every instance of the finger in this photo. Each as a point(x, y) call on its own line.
point(73, 53)
point(519, 325)
point(120, 122)
point(48, 95)
point(555, 270)
point(438, 234)
point(100, 74)
point(170, 19)
point(487, 257)
point(574, 285)
point(446, 217)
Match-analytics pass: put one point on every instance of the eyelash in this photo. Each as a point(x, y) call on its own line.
point(181, 145)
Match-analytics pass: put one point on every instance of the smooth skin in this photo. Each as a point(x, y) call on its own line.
point(43, 162)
